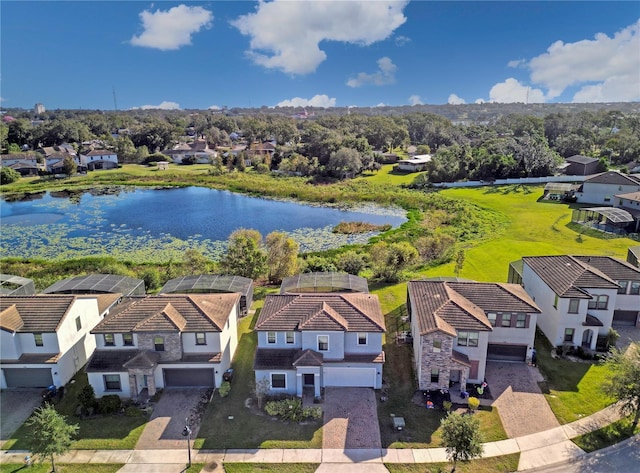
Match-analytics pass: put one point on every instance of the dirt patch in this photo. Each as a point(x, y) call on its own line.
point(350, 419)
point(522, 407)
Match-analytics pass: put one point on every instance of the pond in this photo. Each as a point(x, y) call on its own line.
point(157, 225)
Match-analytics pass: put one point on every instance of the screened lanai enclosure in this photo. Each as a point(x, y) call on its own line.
point(608, 219)
point(212, 283)
point(11, 285)
point(98, 284)
point(323, 282)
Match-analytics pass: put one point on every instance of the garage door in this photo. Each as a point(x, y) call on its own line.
point(177, 378)
point(625, 317)
point(507, 352)
point(28, 377)
point(352, 377)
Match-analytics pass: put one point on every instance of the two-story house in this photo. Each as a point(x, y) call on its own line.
point(578, 295)
point(315, 340)
point(167, 340)
point(45, 339)
point(602, 188)
point(99, 159)
point(457, 326)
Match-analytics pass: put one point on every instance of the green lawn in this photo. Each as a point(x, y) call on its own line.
point(534, 229)
point(607, 436)
point(248, 429)
point(573, 389)
point(386, 175)
point(501, 464)
point(64, 468)
point(270, 467)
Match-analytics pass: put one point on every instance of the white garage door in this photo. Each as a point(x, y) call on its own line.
point(352, 377)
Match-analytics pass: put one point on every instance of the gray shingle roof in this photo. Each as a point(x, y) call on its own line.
point(352, 312)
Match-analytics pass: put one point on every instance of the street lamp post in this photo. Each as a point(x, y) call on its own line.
point(187, 433)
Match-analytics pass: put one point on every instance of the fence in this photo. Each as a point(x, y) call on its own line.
point(520, 180)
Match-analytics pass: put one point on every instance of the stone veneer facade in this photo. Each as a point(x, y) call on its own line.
point(172, 345)
point(441, 360)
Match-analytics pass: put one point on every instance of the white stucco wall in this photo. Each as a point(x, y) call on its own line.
point(374, 343)
point(119, 342)
point(593, 193)
point(10, 345)
point(290, 380)
point(514, 335)
point(87, 310)
point(280, 340)
point(97, 381)
point(336, 343)
point(478, 353)
point(189, 343)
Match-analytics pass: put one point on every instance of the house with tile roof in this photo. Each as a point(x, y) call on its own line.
point(162, 341)
point(603, 187)
point(317, 340)
point(458, 325)
point(581, 297)
point(45, 339)
point(95, 159)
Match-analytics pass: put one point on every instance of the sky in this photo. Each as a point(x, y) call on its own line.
point(315, 53)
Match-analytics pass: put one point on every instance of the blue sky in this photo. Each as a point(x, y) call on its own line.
point(198, 55)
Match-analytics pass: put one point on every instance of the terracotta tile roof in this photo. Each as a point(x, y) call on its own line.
point(170, 313)
point(39, 313)
point(110, 360)
point(308, 357)
point(616, 269)
point(634, 196)
point(320, 311)
point(274, 359)
point(10, 319)
point(438, 307)
point(500, 297)
point(567, 276)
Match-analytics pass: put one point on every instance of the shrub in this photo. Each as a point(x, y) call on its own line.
point(447, 405)
point(224, 389)
point(133, 411)
point(87, 399)
point(291, 409)
point(474, 403)
point(351, 262)
point(8, 175)
point(109, 404)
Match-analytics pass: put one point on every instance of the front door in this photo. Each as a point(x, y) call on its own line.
point(308, 379)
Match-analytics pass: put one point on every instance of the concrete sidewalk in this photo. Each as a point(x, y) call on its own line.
point(538, 450)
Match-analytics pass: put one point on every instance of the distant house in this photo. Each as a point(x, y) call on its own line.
point(64, 149)
point(44, 339)
point(197, 151)
point(266, 148)
point(602, 188)
point(414, 164)
point(579, 165)
point(162, 341)
point(319, 340)
point(457, 326)
point(24, 163)
point(99, 159)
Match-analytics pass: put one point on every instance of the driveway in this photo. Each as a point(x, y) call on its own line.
point(628, 335)
point(16, 405)
point(164, 429)
point(522, 407)
point(350, 419)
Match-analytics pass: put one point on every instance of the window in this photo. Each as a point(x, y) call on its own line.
point(78, 323)
point(607, 198)
point(506, 320)
point(290, 338)
point(323, 343)
point(468, 339)
point(362, 339)
point(568, 334)
point(159, 343)
point(623, 287)
point(435, 375)
point(492, 318)
point(109, 340)
point(635, 287)
point(437, 346)
point(599, 302)
point(128, 339)
point(201, 338)
point(574, 306)
point(37, 338)
point(521, 321)
point(278, 380)
point(271, 337)
point(112, 382)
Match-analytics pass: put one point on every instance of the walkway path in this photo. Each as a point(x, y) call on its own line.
point(536, 450)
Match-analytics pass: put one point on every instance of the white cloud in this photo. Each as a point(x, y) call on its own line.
point(415, 100)
point(511, 91)
point(381, 104)
point(402, 40)
point(386, 75)
point(479, 101)
point(173, 28)
point(455, 100)
point(608, 68)
point(214, 107)
point(286, 35)
point(316, 101)
point(163, 106)
point(516, 63)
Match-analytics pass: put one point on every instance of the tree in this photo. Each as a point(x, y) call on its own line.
point(195, 262)
point(261, 389)
point(8, 175)
point(87, 399)
point(282, 256)
point(461, 437)
point(345, 161)
point(351, 262)
point(389, 259)
point(624, 382)
point(50, 435)
point(245, 256)
point(459, 262)
point(69, 166)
